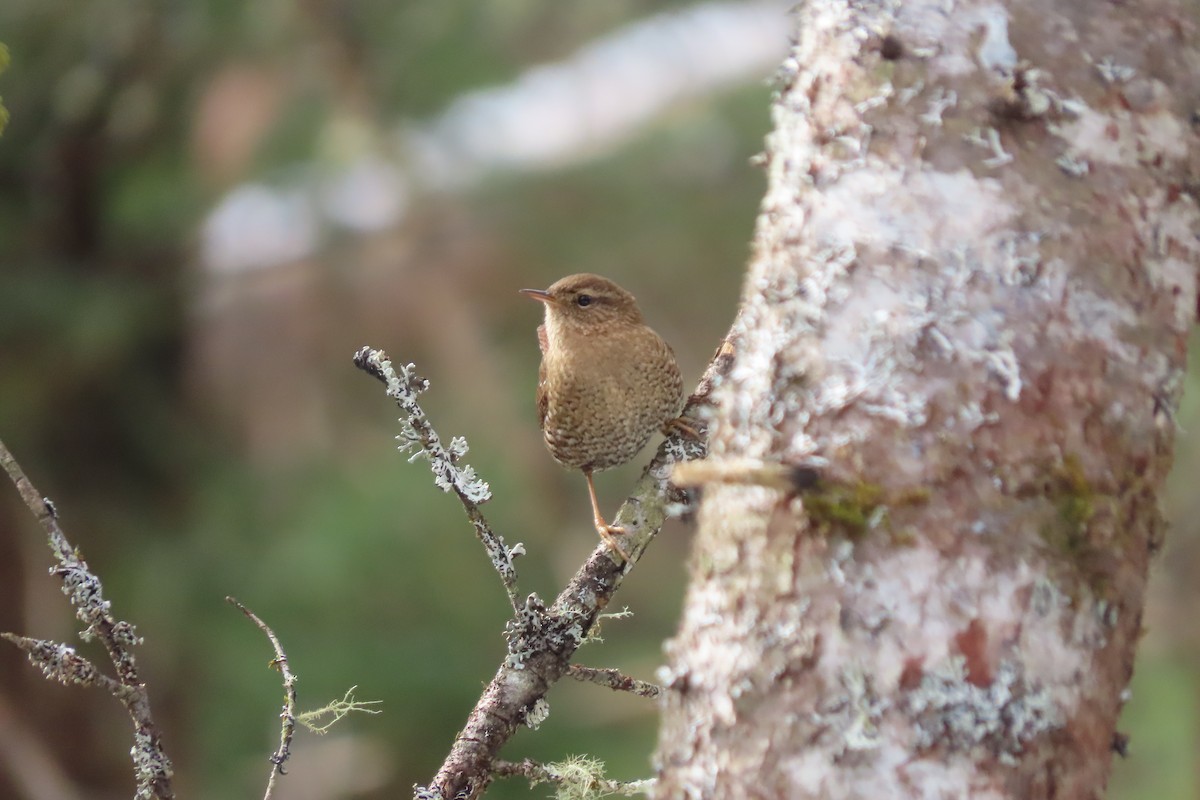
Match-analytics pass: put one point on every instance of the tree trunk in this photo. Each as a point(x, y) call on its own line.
point(974, 273)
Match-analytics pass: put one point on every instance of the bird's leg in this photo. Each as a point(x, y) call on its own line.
point(682, 426)
point(605, 530)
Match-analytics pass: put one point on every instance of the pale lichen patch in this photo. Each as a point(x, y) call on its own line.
point(950, 712)
point(1122, 138)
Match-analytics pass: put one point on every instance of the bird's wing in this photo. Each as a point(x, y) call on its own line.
point(543, 399)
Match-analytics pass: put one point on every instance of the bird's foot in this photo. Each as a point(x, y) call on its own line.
point(683, 426)
point(608, 533)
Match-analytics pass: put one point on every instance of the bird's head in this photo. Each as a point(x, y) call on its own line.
point(587, 303)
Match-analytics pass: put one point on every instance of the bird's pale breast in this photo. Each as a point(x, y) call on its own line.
point(600, 405)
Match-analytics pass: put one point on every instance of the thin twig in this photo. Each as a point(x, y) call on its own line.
point(60, 662)
point(417, 433)
point(541, 641)
point(790, 478)
point(615, 680)
point(583, 772)
point(288, 715)
point(152, 767)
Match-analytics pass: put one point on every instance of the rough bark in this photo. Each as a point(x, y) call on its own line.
point(974, 272)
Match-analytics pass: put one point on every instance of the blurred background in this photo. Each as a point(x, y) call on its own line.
point(206, 208)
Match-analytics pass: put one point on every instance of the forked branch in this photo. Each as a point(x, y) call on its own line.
point(288, 714)
point(60, 662)
point(418, 435)
point(541, 640)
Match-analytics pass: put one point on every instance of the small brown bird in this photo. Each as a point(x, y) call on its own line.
point(607, 380)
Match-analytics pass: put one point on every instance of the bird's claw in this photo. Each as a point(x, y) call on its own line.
point(682, 426)
point(608, 533)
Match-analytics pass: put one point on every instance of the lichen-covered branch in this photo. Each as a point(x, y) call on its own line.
point(541, 640)
point(288, 714)
point(418, 436)
point(577, 777)
point(614, 679)
point(152, 767)
point(60, 662)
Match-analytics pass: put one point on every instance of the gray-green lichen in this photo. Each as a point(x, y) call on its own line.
point(150, 766)
point(1002, 717)
point(60, 662)
point(418, 436)
point(536, 714)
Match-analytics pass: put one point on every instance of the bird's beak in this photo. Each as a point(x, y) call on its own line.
point(540, 295)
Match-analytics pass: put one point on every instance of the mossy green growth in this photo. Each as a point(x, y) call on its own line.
point(884, 73)
point(1075, 501)
point(857, 508)
point(1070, 531)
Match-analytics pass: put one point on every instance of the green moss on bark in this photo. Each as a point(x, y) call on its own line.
point(857, 508)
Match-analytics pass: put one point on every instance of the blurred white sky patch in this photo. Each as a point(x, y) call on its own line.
point(557, 114)
point(256, 226)
point(369, 194)
point(551, 116)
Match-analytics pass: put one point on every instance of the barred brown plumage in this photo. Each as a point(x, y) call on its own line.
point(607, 381)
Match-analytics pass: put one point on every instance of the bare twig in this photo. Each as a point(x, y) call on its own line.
point(541, 641)
point(288, 714)
point(790, 478)
point(577, 777)
point(152, 768)
point(615, 680)
point(418, 434)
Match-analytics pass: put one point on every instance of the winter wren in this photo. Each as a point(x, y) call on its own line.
point(607, 380)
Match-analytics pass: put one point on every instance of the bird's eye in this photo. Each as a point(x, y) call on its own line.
point(584, 300)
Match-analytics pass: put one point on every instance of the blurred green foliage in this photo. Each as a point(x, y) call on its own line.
point(1163, 719)
point(4, 60)
point(369, 575)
